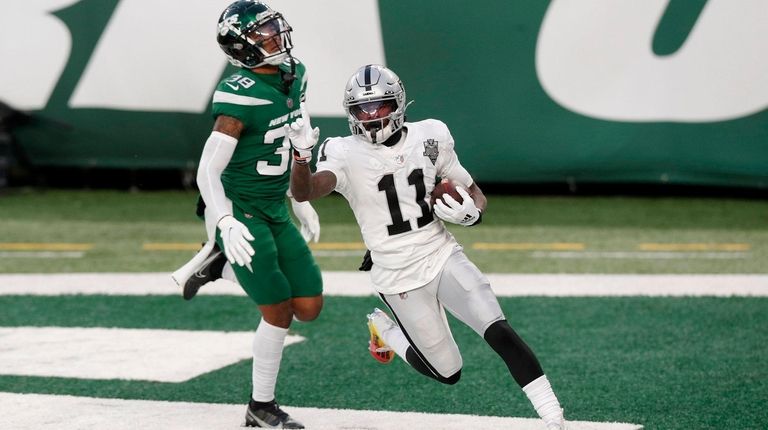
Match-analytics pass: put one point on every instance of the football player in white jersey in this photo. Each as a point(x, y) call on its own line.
point(387, 170)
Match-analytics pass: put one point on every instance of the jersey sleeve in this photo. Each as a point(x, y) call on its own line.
point(331, 157)
point(235, 97)
point(448, 165)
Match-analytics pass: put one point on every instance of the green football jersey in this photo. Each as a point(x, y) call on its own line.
point(257, 176)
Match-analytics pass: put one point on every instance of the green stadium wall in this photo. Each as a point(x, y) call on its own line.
point(600, 91)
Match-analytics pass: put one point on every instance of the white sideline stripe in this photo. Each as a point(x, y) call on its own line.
point(118, 353)
point(35, 411)
point(358, 284)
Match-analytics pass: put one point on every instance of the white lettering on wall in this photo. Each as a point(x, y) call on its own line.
point(164, 57)
point(34, 48)
point(155, 56)
point(594, 57)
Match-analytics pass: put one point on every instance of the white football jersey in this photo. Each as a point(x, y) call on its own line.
point(389, 189)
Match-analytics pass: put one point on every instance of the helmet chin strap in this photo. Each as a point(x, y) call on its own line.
point(289, 77)
point(394, 138)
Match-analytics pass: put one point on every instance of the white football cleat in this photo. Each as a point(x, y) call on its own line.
point(378, 323)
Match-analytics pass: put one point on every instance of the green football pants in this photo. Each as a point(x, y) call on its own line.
point(283, 266)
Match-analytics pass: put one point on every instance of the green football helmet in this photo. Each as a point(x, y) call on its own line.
point(251, 34)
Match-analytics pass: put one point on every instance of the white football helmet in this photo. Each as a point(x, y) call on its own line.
point(374, 99)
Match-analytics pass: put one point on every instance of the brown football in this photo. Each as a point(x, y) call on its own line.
point(446, 186)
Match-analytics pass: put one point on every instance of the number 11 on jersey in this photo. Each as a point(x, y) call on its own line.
point(399, 225)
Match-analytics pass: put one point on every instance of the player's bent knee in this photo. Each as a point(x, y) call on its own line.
point(306, 316)
point(520, 360)
point(307, 308)
point(278, 314)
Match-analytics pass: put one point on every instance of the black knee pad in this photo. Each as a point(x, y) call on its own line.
point(520, 360)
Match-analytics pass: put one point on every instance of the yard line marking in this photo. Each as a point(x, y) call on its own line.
point(174, 246)
point(358, 284)
point(642, 255)
point(22, 412)
point(694, 247)
point(324, 253)
point(34, 246)
point(41, 254)
point(337, 246)
point(323, 246)
point(524, 246)
point(122, 353)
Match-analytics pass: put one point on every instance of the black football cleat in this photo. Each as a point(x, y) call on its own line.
point(208, 271)
point(269, 415)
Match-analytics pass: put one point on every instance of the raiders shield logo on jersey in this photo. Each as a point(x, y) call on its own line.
point(430, 150)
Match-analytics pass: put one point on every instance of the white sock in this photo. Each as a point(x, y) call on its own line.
point(228, 273)
point(545, 402)
point(267, 353)
point(396, 340)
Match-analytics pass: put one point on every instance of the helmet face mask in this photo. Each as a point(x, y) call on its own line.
point(374, 100)
point(373, 116)
point(253, 35)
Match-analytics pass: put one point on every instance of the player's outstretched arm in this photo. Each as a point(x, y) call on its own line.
point(216, 155)
point(305, 185)
point(302, 136)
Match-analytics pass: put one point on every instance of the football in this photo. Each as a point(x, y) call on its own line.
point(445, 186)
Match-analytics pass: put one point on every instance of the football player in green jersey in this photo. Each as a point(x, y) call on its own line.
point(243, 178)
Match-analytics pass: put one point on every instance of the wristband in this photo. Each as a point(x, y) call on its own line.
point(298, 159)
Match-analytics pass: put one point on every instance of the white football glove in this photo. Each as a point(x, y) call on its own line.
point(303, 137)
point(464, 213)
point(310, 222)
point(235, 236)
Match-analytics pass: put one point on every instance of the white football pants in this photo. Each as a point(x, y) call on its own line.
point(460, 288)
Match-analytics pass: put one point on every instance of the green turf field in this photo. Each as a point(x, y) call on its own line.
point(665, 363)
point(685, 235)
